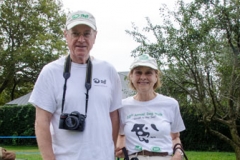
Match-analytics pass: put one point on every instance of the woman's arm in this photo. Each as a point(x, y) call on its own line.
point(176, 141)
point(120, 145)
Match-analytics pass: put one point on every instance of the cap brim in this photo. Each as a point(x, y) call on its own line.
point(75, 23)
point(144, 65)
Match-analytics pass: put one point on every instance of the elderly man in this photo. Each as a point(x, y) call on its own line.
point(77, 98)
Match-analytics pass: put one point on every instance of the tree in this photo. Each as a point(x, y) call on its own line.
point(31, 35)
point(198, 51)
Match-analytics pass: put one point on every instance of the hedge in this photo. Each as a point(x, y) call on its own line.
point(19, 121)
point(196, 138)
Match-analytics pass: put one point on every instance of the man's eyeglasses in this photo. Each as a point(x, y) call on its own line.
point(77, 35)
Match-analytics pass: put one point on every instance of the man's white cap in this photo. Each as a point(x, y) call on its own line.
point(144, 60)
point(81, 17)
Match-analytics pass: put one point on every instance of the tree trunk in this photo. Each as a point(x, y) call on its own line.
point(237, 152)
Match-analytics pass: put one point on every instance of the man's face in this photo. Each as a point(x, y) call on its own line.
point(80, 40)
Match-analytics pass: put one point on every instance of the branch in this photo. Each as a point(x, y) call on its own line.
point(222, 137)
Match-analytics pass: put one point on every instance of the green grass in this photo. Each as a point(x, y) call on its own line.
point(25, 152)
point(32, 153)
point(210, 155)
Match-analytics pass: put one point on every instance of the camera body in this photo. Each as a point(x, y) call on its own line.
point(73, 121)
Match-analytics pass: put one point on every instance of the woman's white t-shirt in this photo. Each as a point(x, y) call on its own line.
point(147, 125)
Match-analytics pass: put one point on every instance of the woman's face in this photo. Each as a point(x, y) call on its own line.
point(143, 79)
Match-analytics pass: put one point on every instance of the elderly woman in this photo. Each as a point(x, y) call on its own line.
point(150, 122)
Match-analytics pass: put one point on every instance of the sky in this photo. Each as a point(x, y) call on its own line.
point(113, 17)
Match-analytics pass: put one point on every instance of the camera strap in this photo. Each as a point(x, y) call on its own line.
point(66, 75)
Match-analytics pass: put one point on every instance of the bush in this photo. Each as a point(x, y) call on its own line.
point(196, 138)
point(17, 121)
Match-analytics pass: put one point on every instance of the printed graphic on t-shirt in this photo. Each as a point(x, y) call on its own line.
point(100, 82)
point(96, 80)
point(142, 131)
point(148, 115)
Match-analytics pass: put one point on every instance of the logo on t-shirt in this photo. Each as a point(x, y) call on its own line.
point(142, 132)
point(100, 82)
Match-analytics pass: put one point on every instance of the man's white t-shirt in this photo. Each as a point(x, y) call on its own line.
point(105, 96)
point(147, 125)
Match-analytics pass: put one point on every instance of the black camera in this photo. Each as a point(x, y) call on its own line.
point(73, 121)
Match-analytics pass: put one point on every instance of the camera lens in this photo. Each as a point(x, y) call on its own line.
point(72, 122)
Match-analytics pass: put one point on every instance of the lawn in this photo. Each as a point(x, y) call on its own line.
point(32, 153)
point(25, 152)
point(210, 155)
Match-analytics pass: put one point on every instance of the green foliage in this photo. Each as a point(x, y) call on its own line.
point(17, 121)
point(196, 138)
point(31, 35)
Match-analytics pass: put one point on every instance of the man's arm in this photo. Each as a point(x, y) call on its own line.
point(42, 131)
point(115, 125)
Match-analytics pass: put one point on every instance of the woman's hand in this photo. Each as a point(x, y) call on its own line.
point(119, 153)
point(120, 144)
point(177, 156)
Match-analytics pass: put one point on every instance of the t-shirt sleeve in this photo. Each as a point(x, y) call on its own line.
point(42, 94)
point(121, 126)
point(116, 102)
point(177, 123)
